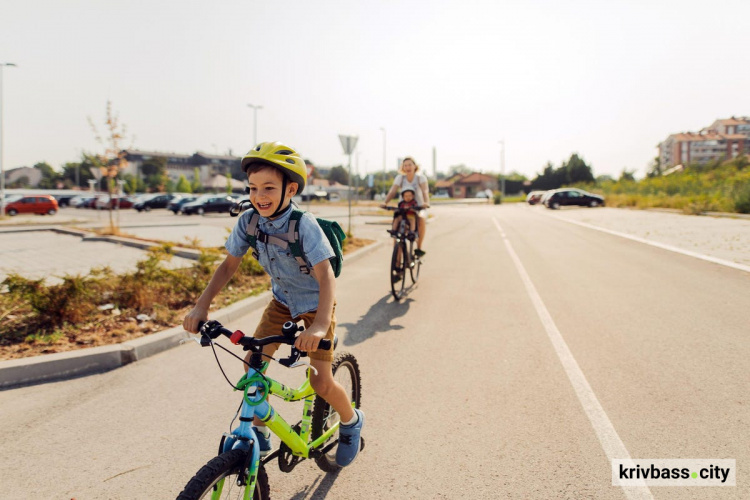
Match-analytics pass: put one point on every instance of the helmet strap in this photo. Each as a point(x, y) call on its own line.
point(283, 195)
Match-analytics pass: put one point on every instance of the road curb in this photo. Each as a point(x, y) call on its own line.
point(79, 363)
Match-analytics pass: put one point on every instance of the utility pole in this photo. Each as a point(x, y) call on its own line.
point(385, 186)
point(349, 143)
point(2, 168)
point(502, 170)
point(255, 122)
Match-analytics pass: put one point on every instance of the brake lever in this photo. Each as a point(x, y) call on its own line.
point(190, 336)
point(304, 363)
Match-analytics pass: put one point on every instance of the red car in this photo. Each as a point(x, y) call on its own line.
point(105, 203)
point(36, 204)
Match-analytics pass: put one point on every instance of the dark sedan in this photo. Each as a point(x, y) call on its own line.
point(208, 203)
point(176, 205)
point(160, 200)
point(570, 196)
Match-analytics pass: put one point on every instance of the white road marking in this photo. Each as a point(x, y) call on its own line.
point(611, 443)
point(664, 246)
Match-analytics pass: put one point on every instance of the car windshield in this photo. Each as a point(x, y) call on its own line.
point(12, 198)
point(205, 197)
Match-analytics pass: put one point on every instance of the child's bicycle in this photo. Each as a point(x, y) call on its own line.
point(238, 471)
point(404, 255)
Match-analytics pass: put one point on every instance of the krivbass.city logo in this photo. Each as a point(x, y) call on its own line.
point(674, 472)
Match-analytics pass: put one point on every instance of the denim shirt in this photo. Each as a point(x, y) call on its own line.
point(296, 290)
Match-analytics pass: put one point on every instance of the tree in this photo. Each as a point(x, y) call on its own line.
point(654, 169)
point(112, 159)
point(78, 173)
point(458, 169)
point(196, 185)
point(577, 171)
point(339, 174)
point(229, 183)
point(155, 172)
point(49, 176)
point(183, 186)
point(627, 175)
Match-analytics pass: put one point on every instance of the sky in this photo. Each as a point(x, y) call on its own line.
point(608, 79)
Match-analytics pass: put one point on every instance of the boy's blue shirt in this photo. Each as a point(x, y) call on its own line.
point(296, 290)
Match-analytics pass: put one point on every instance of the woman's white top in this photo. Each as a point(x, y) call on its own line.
point(419, 180)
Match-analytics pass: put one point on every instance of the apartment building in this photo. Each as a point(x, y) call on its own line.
point(723, 139)
point(182, 164)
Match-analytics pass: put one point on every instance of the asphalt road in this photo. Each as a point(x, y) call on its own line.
point(532, 352)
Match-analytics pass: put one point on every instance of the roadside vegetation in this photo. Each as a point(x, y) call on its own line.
point(107, 308)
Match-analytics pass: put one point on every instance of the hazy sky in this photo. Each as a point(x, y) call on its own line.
point(608, 79)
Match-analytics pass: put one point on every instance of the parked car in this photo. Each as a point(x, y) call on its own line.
point(485, 193)
point(159, 200)
point(534, 197)
point(571, 196)
point(105, 203)
point(36, 204)
point(91, 202)
point(176, 204)
point(208, 203)
point(64, 200)
point(80, 201)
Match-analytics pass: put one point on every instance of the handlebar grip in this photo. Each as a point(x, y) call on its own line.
point(325, 345)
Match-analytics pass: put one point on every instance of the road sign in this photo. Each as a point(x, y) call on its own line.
point(348, 142)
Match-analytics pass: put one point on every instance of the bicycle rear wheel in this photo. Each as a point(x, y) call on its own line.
point(346, 372)
point(218, 479)
point(398, 270)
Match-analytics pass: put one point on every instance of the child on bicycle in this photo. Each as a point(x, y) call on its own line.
point(275, 173)
point(408, 203)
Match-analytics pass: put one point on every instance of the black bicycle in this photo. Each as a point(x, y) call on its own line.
point(404, 254)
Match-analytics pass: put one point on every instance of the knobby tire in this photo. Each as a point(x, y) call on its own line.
point(346, 372)
point(225, 466)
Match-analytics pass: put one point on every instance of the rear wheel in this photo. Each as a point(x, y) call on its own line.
point(218, 479)
point(398, 271)
point(201, 211)
point(346, 372)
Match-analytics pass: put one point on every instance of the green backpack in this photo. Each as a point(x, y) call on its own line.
point(290, 239)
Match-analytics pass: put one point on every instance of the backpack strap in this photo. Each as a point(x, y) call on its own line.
point(254, 235)
point(295, 246)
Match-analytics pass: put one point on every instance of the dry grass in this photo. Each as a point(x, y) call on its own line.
point(102, 308)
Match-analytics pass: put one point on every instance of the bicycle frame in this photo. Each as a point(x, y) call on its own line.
point(243, 435)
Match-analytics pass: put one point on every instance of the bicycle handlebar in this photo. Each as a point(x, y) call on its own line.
point(212, 329)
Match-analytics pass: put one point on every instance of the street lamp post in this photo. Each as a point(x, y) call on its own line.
point(502, 170)
point(255, 122)
point(2, 168)
point(384, 182)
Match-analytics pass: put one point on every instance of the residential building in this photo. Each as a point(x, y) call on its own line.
point(23, 177)
point(724, 139)
point(466, 185)
point(181, 164)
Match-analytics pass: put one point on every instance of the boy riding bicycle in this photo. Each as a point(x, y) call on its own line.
point(275, 173)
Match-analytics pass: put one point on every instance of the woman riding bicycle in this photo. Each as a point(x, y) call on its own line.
point(409, 178)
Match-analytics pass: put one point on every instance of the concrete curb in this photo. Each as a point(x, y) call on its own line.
point(82, 362)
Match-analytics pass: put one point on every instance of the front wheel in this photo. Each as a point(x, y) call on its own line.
point(594, 204)
point(414, 262)
point(398, 270)
point(346, 373)
point(201, 211)
point(218, 479)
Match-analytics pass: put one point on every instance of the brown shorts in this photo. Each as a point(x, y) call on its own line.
point(276, 314)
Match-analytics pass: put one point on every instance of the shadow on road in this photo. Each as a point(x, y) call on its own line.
point(377, 319)
point(324, 486)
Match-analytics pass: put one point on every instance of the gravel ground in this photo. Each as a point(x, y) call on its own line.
point(719, 237)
